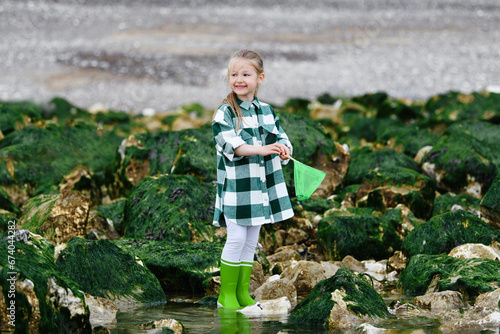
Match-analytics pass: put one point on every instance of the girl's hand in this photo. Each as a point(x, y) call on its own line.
point(276, 148)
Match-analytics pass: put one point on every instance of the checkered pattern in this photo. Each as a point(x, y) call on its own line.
point(250, 190)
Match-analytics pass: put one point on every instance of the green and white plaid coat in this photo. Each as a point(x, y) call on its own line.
point(250, 190)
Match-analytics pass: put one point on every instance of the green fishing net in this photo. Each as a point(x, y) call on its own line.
point(307, 180)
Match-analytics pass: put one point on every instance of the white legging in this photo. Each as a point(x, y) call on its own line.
point(240, 243)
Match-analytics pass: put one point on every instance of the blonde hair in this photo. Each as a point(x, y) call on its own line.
point(256, 61)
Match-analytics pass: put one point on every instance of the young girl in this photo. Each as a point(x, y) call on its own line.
point(251, 190)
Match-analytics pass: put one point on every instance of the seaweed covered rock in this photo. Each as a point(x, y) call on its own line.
point(45, 300)
point(170, 208)
point(390, 186)
point(407, 139)
point(57, 217)
point(6, 219)
point(434, 273)
point(365, 237)
point(454, 106)
point(179, 266)
point(37, 159)
point(314, 147)
point(343, 301)
point(102, 269)
point(449, 201)
point(465, 158)
point(114, 211)
point(189, 152)
point(16, 115)
point(364, 160)
point(444, 232)
point(490, 204)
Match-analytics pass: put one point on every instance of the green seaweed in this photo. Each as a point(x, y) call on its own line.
point(35, 261)
point(445, 203)
point(491, 201)
point(361, 298)
point(363, 236)
point(102, 269)
point(444, 232)
point(364, 160)
point(171, 207)
point(42, 156)
point(179, 266)
point(468, 276)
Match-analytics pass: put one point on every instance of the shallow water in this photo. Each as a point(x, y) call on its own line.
point(202, 319)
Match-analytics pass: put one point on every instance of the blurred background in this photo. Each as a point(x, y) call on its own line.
point(156, 55)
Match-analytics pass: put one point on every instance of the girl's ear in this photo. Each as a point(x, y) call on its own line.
point(260, 78)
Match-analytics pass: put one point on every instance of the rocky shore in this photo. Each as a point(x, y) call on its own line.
point(106, 209)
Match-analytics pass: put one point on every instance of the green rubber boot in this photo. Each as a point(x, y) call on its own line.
point(243, 285)
point(229, 273)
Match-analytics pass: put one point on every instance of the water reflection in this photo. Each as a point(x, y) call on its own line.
point(233, 322)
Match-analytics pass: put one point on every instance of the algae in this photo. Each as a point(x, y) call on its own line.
point(361, 298)
point(444, 232)
point(364, 237)
point(179, 266)
point(471, 277)
point(102, 269)
point(173, 207)
point(445, 203)
point(42, 156)
point(34, 261)
point(491, 201)
point(364, 160)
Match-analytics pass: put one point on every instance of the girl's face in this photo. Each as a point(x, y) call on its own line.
point(244, 79)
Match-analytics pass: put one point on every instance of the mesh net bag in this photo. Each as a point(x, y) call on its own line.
point(307, 180)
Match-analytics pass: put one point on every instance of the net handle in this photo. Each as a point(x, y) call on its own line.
point(289, 157)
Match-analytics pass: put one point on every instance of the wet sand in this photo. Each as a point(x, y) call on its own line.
point(158, 55)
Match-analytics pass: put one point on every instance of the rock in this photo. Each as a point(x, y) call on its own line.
point(102, 311)
point(446, 202)
point(342, 301)
point(488, 301)
point(364, 237)
point(295, 236)
point(454, 106)
point(46, 301)
point(390, 186)
point(397, 262)
point(444, 232)
point(40, 168)
point(57, 217)
point(185, 152)
point(465, 158)
point(6, 219)
point(275, 289)
point(364, 160)
point(441, 302)
point(102, 269)
point(314, 147)
point(98, 222)
point(435, 273)
point(304, 275)
point(179, 266)
point(172, 324)
point(490, 206)
point(470, 251)
point(268, 308)
point(114, 211)
point(170, 208)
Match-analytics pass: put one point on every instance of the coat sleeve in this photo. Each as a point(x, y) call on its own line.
point(282, 136)
point(225, 138)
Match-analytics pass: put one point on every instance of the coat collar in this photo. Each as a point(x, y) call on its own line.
point(246, 104)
